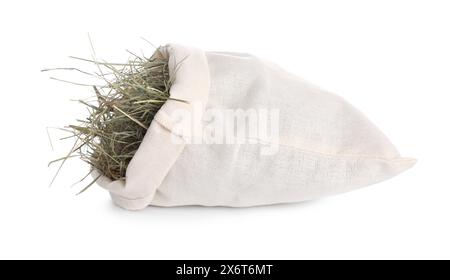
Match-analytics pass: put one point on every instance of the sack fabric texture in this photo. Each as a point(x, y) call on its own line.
point(325, 145)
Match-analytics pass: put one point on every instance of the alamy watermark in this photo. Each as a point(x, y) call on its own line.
point(257, 126)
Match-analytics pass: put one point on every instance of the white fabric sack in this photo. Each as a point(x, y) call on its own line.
point(324, 145)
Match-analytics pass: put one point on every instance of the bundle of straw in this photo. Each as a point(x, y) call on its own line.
point(123, 110)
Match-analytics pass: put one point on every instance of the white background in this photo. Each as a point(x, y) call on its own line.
point(391, 59)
